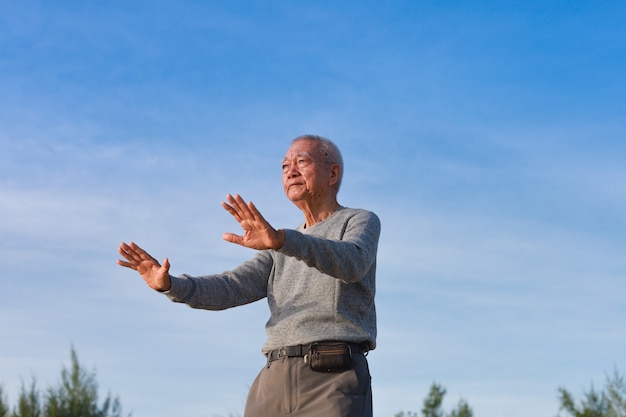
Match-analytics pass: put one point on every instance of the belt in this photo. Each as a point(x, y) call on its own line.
point(299, 351)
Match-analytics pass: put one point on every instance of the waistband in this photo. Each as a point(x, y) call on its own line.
point(299, 351)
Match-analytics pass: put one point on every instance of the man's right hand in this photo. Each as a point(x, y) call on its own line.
point(157, 276)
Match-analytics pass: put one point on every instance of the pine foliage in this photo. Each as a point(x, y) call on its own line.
point(76, 395)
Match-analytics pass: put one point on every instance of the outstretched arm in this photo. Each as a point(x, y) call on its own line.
point(157, 276)
point(258, 233)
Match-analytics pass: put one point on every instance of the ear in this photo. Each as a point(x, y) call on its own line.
point(335, 173)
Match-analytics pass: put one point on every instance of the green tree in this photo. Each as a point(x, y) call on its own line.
point(462, 410)
point(433, 405)
point(433, 401)
point(29, 402)
point(4, 407)
point(611, 402)
point(77, 395)
point(616, 393)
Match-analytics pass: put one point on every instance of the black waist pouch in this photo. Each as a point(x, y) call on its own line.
point(330, 357)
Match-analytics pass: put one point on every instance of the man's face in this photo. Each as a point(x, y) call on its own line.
point(306, 175)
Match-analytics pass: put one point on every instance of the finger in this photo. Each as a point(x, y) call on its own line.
point(137, 250)
point(255, 212)
point(232, 211)
point(142, 254)
point(233, 208)
point(128, 253)
point(126, 264)
point(243, 207)
point(238, 204)
point(233, 238)
point(124, 248)
point(131, 255)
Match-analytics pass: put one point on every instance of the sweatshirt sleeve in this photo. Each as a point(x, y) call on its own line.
point(243, 285)
point(348, 254)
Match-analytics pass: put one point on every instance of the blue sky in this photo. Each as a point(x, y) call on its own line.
point(488, 136)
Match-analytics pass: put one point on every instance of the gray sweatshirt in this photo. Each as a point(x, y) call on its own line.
point(319, 286)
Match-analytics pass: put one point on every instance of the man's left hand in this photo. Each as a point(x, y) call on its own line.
point(258, 233)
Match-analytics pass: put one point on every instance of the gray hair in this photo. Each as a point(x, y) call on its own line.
point(330, 152)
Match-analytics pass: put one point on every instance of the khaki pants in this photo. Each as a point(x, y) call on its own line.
point(288, 387)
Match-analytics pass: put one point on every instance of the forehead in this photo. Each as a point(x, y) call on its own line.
point(302, 147)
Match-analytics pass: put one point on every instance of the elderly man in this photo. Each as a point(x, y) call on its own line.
point(319, 281)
